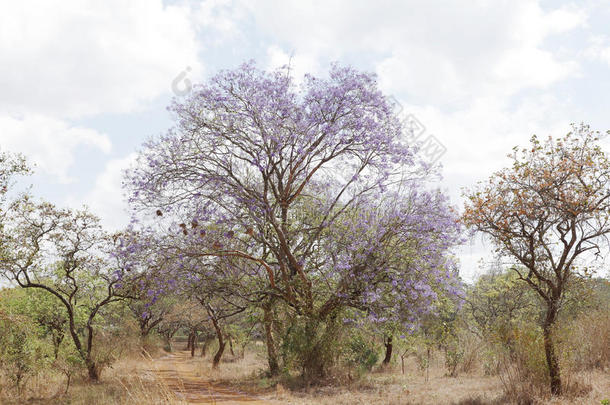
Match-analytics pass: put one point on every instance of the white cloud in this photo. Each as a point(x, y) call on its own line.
point(598, 49)
point(300, 64)
point(218, 20)
point(74, 58)
point(479, 138)
point(49, 143)
point(439, 52)
point(106, 199)
point(498, 57)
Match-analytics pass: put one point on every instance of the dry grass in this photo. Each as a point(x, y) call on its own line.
point(231, 369)
point(386, 386)
point(390, 386)
point(405, 390)
point(129, 381)
point(138, 381)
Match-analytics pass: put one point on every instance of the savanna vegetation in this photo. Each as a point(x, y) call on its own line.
point(287, 245)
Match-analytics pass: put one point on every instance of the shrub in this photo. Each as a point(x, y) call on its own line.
point(471, 352)
point(454, 354)
point(360, 353)
point(310, 347)
point(22, 353)
point(523, 370)
point(584, 342)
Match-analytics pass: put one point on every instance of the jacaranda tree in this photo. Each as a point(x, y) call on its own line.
point(313, 185)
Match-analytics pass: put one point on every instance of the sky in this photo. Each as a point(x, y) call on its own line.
point(85, 83)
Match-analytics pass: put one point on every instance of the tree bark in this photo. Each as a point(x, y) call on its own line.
point(58, 337)
point(315, 359)
point(189, 341)
point(204, 346)
point(388, 350)
point(145, 328)
point(221, 344)
point(274, 368)
point(427, 363)
point(194, 344)
point(92, 367)
point(231, 345)
point(549, 349)
point(93, 371)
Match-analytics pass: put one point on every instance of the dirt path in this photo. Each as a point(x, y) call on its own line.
point(175, 372)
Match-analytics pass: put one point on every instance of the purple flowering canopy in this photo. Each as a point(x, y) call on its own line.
point(312, 186)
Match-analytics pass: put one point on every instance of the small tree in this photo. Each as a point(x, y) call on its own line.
point(148, 315)
point(66, 254)
point(168, 327)
point(545, 212)
point(22, 353)
point(496, 302)
point(43, 309)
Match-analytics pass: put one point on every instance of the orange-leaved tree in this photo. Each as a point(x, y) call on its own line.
point(545, 213)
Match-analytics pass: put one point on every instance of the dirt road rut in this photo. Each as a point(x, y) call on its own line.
point(174, 371)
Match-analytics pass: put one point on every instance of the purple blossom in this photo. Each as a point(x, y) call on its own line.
point(319, 176)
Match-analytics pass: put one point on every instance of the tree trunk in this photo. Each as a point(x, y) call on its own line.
point(93, 371)
point(68, 380)
point(143, 327)
point(549, 350)
point(194, 344)
point(313, 366)
point(189, 341)
point(221, 344)
point(231, 345)
point(92, 368)
point(274, 368)
point(146, 328)
point(315, 358)
point(219, 352)
point(168, 343)
point(388, 351)
point(427, 363)
point(204, 346)
point(57, 339)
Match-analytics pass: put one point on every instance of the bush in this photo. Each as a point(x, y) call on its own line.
point(584, 342)
point(360, 353)
point(454, 354)
point(471, 346)
point(523, 370)
point(310, 347)
point(22, 353)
